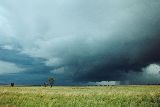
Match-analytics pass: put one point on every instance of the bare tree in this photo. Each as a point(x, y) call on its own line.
point(51, 81)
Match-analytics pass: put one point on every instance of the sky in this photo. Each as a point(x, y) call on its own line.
point(79, 41)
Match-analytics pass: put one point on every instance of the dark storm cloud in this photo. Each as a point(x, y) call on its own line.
point(81, 40)
point(114, 65)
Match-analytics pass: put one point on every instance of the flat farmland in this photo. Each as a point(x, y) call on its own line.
point(76, 96)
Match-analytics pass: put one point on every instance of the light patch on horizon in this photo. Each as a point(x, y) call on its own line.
point(104, 83)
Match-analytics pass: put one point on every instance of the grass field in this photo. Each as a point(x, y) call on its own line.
point(96, 96)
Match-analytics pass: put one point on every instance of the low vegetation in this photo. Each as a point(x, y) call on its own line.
point(89, 96)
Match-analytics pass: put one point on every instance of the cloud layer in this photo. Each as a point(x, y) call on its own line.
point(81, 40)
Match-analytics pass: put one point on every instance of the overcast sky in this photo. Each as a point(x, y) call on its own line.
point(79, 41)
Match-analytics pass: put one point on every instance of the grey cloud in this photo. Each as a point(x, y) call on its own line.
point(91, 40)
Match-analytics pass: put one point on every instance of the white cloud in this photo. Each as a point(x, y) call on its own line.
point(8, 67)
point(152, 69)
point(149, 75)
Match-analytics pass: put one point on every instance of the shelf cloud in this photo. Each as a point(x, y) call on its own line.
point(79, 40)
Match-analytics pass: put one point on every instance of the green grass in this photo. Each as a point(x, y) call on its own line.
point(104, 96)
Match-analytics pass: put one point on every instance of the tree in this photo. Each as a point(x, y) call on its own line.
point(51, 81)
point(12, 84)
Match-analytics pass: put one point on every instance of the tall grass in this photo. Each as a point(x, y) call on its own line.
point(109, 96)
